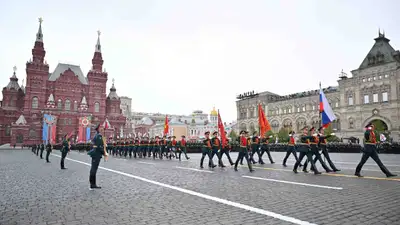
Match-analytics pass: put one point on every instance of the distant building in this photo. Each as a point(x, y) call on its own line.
point(371, 94)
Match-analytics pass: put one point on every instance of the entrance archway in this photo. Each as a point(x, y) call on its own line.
point(380, 125)
point(20, 139)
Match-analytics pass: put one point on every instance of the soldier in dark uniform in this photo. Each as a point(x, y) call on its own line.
point(305, 150)
point(206, 150)
point(151, 147)
point(131, 146)
point(174, 147)
point(216, 148)
point(96, 153)
point(182, 147)
point(314, 141)
point(48, 151)
point(156, 147)
point(41, 150)
point(226, 147)
point(136, 148)
point(265, 149)
point(370, 151)
point(64, 151)
point(291, 148)
point(322, 146)
point(244, 144)
point(164, 147)
point(255, 148)
point(37, 149)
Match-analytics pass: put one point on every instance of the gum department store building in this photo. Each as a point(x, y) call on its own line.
point(372, 93)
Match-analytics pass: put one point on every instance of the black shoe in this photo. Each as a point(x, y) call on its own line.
point(305, 171)
point(358, 175)
point(213, 166)
point(48, 161)
point(295, 171)
point(272, 162)
point(336, 170)
point(317, 173)
point(251, 170)
point(201, 167)
point(284, 165)
point(391, 175)
point(235, 169)
point(64, 168)
point(329, 171)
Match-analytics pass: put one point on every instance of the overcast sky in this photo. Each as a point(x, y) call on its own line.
point(176, 56)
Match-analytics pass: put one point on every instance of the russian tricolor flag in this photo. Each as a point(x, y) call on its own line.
point(325, 109)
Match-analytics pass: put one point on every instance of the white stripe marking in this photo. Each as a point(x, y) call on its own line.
point(355, 163)
point(200, 195)
point(186, 168)
point(290, 182)
point(146, 163)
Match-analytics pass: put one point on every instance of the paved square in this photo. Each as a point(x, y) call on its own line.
point(147, 191)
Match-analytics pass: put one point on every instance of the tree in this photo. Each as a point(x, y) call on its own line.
point(283, 135)
point(379, 125)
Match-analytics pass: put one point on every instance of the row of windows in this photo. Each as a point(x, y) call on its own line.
point(67, 105)
point(374, 78)
point(375, 98)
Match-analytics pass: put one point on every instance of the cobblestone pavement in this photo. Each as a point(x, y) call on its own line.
point(147, 191)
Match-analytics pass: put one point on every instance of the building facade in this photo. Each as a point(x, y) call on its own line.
point(66, 94)
point(372, 93)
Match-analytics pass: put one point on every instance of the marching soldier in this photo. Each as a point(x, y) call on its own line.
point(114, 150)
point(37, 149)
point(243, 150)
point(314, 148)
point(182, 147)
point(305, 150)
point(216, 147)
point(136, 149)
point(265, 148)
point(322, 145)
point(41, 150)
point(151, 147)
point(226, 148)
point(255, 148)
point(131, 146)
point(174, 145)
point(370, 151)
point(206, 150)
point(291, 149)
point(48, 151)
point(96, 153)
point(64, 151)
point(156, 148)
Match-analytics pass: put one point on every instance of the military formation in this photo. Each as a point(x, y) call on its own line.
point(310, 145)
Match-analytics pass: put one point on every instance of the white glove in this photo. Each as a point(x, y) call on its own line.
point(315, 135)
point(290, 135)
point(270, 136)
point(333, 134)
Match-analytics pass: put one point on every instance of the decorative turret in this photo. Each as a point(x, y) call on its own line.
point(13, 84)
point(97, 61)
point(83, 106)
point(113, 92)
point(38, 52)
point(50, 102)
point(23, 86)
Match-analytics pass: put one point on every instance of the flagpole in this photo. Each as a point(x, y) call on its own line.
point(320, 113)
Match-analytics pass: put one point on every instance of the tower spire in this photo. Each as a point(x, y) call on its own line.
point(39, 35)
point(98, 45)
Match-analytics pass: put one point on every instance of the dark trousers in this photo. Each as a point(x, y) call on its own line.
point(370, 151)
point(63, 156)
point(290, 150)
point(256, 149)
point(309, 155)
point(208, 153)
point(47, 156)
point(37, 151)
point(325, 153)
point(226, 152)
point(41, 153)
point(214, 153)
point(93, 170)
point(318, 157)
point(183, 150)
point(264, 149)
point(243, 154)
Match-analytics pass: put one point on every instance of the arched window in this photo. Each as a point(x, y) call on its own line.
point(96, 107)
point(75, 105)
point(8, 130)
point(67, 105)
point(59, 104)
point(35, 103)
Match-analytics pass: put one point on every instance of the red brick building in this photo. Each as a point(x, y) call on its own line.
point(66, 93)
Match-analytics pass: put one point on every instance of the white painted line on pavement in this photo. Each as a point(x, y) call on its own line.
point(187, 168)
point(146, 163)
point(354, 163)
point(208, 197)
point(296, 183)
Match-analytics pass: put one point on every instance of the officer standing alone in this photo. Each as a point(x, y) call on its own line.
point(64, 151)
point(96, 153)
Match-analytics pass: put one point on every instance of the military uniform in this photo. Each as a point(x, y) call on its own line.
point(96, 153)
point(290, 149)
point(225, 150)
point(206, 150)
point(48, 151)
point(370, 151)
point(243, 150)
point(305, 150)
point(64, 151)
point(174, 146)
point(37, 149)
point(265, 149)
point(150, 147)
point(136, 148)
point(322, 146)
point(255, 148)
point(314, 141)
point(182, 148)
point(156, 147)
point(216, 148)
point(41, 150)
